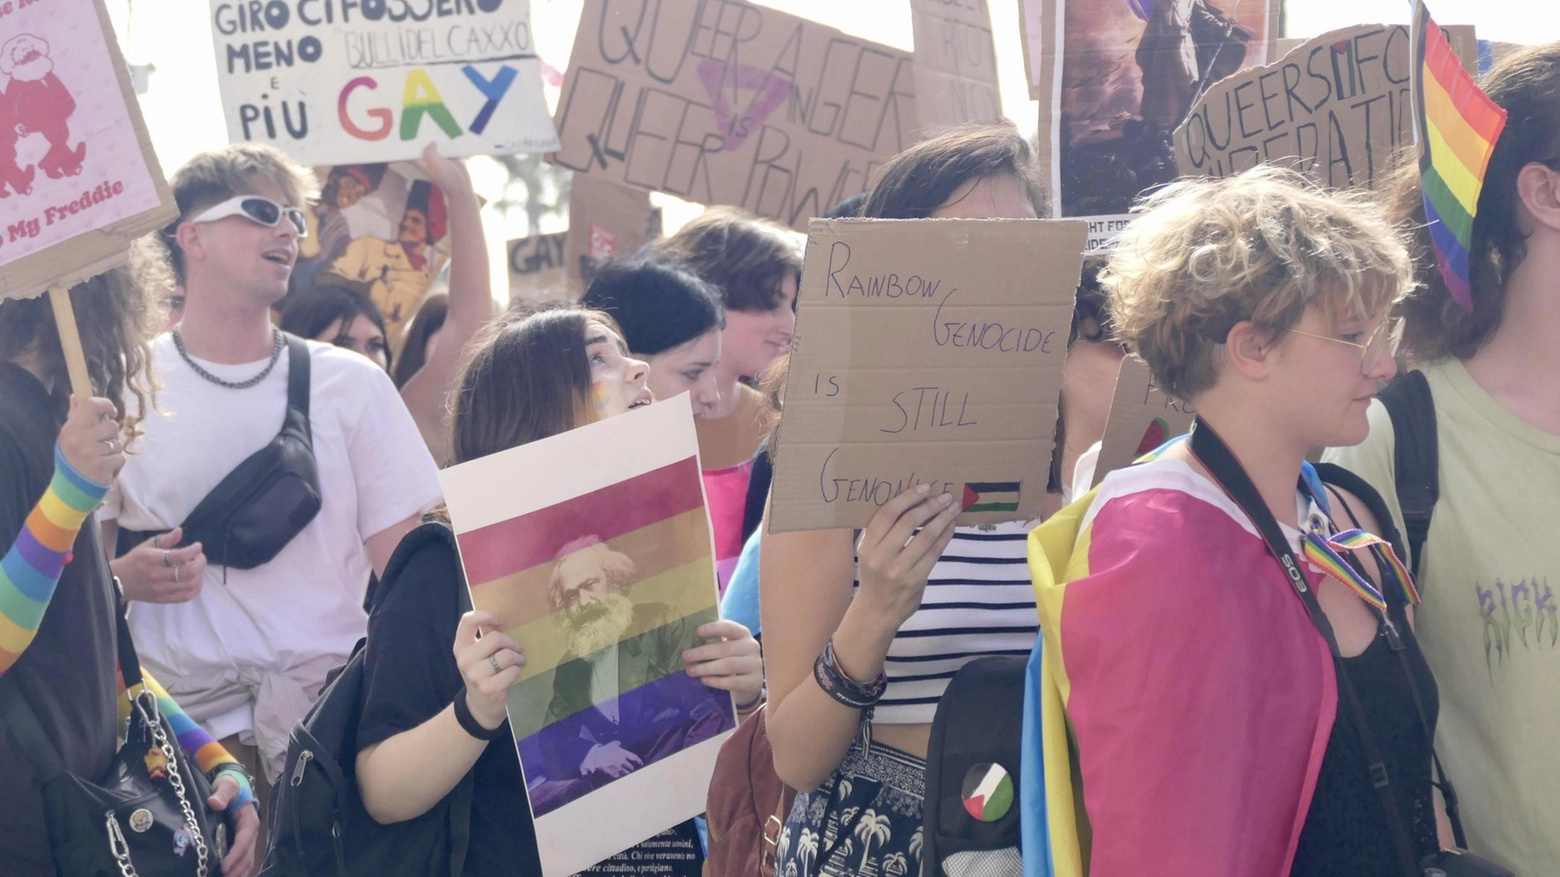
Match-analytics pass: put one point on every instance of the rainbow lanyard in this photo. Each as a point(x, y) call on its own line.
point(1322, 551)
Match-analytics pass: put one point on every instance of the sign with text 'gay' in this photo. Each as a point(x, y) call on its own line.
point(355, 81)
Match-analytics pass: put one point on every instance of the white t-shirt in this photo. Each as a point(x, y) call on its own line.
point(270, 634)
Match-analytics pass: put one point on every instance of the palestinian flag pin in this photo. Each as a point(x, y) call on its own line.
point(990, 496)
point(988, 792)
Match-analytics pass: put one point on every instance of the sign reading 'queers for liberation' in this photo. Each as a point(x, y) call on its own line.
point(352, 81)
point(727, 102)
point(927, 352)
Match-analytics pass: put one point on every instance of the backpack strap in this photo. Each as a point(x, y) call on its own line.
point(1416, 452)
point(298, 387)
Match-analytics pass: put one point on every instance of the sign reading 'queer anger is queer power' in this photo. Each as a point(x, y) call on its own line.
point(726, 102)
point(928, 351)
point(349, 81)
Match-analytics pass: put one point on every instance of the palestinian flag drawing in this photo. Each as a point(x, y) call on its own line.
point(991, 496)
point(988, 792)
point(594, 549)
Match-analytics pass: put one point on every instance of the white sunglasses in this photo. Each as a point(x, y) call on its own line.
point(260, 211)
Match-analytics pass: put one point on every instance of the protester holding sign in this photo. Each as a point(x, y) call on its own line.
point(862, 639)
point(281, 601)
point(433, 715)
point(1490, 620)
point(756, 265)
point(58, 639)
point(1262, 300)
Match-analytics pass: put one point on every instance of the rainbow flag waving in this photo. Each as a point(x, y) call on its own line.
point(1456, 126)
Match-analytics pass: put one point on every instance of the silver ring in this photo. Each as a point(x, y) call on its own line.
point(493, 659)
point(113, 445)
point(176, 573)
point(166, 560)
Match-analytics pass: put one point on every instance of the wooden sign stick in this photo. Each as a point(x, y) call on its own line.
point(70, 342)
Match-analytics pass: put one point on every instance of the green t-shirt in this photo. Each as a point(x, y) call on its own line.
point(1490, 620)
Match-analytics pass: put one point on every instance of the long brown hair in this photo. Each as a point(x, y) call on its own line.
point(922, 178)
point(117, 315)
point(744, 257)
point(527, 379)
point(1527, 86)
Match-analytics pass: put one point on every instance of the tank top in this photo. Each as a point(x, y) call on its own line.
point(979, 601)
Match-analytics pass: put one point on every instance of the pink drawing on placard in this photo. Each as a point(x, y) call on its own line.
point(38, 102)
point(603, 243)
point(718, 77)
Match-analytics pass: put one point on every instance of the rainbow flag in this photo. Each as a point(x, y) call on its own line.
point(594, 549)
point(1456, 126)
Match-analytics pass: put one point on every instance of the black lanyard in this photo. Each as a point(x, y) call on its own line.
point(1220, 462)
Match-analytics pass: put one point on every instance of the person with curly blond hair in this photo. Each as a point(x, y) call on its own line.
point(1212, 725)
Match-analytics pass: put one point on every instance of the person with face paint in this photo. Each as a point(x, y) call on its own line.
point(433, 714)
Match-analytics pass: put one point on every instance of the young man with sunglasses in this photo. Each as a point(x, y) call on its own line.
point(247, 650)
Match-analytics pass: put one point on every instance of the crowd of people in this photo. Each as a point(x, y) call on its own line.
point(1235, 675)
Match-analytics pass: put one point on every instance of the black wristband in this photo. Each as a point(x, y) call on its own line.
point(468, 722)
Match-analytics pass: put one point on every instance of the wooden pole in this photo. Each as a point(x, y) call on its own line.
point(70, 341)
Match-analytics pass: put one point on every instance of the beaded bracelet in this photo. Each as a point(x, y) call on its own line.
point(838, 684)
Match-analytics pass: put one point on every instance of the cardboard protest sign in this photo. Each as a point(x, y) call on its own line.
point(955, 64)
point(732, 103)
point(376, 80)
point(1461, 36)
point(78, 179)
point(379, 232)
point(605, 220)
point(1034, 31)
point(1336, 108)
point(617, 507)
point(1125, 74)
point(927, 351)
point(1141, 419)
point(536, 269)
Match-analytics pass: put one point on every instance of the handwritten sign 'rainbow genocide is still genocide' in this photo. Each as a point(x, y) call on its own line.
point(928, 352)
point(351, 81)
point(727, 102)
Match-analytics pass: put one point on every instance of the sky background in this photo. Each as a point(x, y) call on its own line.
point(183, 108)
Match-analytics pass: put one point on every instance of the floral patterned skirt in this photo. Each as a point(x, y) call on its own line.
point(864, 820)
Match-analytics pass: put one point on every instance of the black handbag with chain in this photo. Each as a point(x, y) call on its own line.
point(147, 817)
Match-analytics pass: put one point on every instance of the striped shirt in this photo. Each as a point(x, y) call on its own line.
point(979, 601)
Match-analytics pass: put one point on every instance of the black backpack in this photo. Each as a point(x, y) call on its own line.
point(1416, 453)
point(972, 765)
point(318, 825)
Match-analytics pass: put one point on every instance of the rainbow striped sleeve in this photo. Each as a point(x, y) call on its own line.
point(193, 739)
point(31, 569)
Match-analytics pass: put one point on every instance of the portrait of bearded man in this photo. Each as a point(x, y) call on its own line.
point(606, 719)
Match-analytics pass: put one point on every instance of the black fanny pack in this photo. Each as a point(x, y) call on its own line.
point(251, 515)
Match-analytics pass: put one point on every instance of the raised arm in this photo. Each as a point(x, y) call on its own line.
point(471, 302)
point(86, 459)
point(807, 598)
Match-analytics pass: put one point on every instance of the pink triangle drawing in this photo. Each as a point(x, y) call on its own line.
point(720, 82)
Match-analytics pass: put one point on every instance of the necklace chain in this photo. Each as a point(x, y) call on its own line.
point(276, 355)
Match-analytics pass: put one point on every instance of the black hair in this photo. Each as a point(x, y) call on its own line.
point(659, 306)
point(426, 320)
point(849, 208)
point(309, 311)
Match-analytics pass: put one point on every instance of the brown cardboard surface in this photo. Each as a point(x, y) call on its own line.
point(1032, 36)
point(605, 220)
point(536, 269)
point(1336, 108)
point(1462, 37)
point(1121, 79)
point(955, 64)
point(1137, 408)
point(106, 125)
point(732, 103)
point(926, 351)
